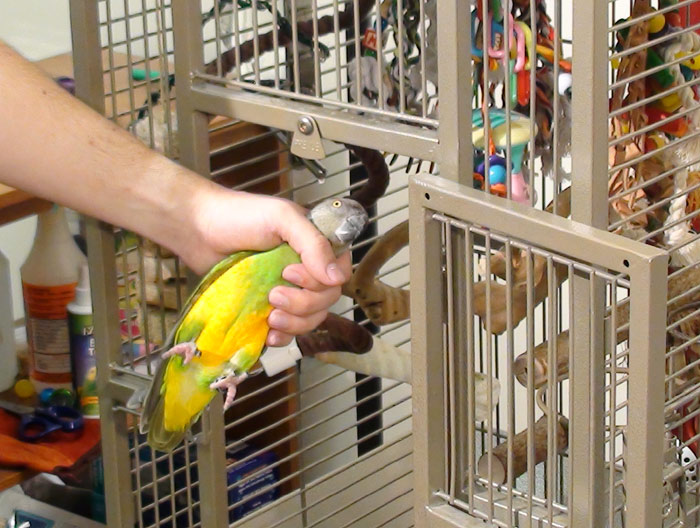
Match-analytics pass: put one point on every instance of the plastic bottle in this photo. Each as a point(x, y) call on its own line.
point(82, 346)
point(8, 354)
point(49, 277)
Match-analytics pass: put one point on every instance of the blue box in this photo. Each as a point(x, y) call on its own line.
point(265, 477)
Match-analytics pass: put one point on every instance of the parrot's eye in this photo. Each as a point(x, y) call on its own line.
point(337, 203)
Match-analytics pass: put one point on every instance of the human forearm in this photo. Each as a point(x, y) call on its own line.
point(55, 147)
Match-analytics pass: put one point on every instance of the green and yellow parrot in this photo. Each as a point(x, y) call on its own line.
point(223, 327)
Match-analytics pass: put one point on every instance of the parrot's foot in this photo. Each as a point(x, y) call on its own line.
point(230, 383)
point(186, 350)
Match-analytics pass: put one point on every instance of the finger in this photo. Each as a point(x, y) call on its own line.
point(275, 338)
point(294, 324)
point(298, 275)
point(313, 248)
point(303, 302)
point(345, 264)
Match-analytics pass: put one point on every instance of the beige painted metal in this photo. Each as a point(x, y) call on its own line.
point(87, 60)
point(427, 312)
point(454, 68)
point(645, 438)
point(438, 499)
point(334, 125)
point(390, 130)
point(589, 187)
point(193, 139)
point(646, 267)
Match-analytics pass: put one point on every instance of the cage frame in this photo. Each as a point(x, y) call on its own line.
point(196, 97)
point(647, 271)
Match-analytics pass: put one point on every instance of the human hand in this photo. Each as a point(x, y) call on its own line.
point(226, 221)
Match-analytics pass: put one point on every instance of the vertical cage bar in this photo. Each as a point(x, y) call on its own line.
point(454, 131)
point(193, 138)
point(426, 344)
point(645, 438)
point(451, 365)
point(456, 159)
point(589, 131)
point(469, 390)
point(87, 57)
point(464, 377)
point(589, 185)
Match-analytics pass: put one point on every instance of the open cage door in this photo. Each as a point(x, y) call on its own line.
point(519, 317)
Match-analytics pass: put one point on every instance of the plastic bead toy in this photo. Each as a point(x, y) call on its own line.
point(24, 388)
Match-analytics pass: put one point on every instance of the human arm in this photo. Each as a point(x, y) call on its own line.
point(53, 146)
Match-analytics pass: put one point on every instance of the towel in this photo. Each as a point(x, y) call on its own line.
point(58, 452)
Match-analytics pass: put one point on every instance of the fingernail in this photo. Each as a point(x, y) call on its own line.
point(292, 276)
point(334, 273)
point(278, 299)
point(274, 339)
point(278, 320)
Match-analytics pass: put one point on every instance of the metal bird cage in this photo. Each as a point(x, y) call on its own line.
point(552, 385)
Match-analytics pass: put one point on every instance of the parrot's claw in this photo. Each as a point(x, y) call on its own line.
point(230, 383)
point(187, 350)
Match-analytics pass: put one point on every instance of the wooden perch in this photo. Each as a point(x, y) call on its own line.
point(498, 298)
point(541, 366)
point(499, 292)
point(334, 334)
point(519, 270)
point(383, 304)
point(377, 176)
point(265, 43)
point(499, 453)
point(682, 284)
point(347, 344)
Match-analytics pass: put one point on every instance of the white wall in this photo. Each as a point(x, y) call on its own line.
point(37, 29)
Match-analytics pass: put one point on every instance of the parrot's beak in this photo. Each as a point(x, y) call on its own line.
point(351, 228)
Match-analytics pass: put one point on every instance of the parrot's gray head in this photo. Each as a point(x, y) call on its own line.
point(341, 220)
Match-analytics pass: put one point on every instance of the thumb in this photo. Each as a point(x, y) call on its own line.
point(313, 248)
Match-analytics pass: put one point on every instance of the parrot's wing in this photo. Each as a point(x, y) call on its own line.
point(213, 274)
point(154, 393)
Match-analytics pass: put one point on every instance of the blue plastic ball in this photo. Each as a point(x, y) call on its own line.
point(497, 174)
point(45, 396)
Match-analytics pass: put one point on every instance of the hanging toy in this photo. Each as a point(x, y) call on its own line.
point(520, 127)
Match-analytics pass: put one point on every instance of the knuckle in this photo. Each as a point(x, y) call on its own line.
point(318, 242)
point(305, 302)
point(312, 321)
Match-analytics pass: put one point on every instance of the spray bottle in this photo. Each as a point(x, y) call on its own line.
point(49, 277)
point(82, 346)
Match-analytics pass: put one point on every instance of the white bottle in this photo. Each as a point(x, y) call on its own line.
point(49, 277)
point(8, 354)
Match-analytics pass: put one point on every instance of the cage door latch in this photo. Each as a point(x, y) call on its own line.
point(306, 141)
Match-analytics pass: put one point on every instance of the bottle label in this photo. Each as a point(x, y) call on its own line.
point(82, 346)
point(47, 331)
point(48, 302)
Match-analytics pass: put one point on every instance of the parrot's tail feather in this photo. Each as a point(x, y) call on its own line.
point(158, 437)
point(153, 398)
